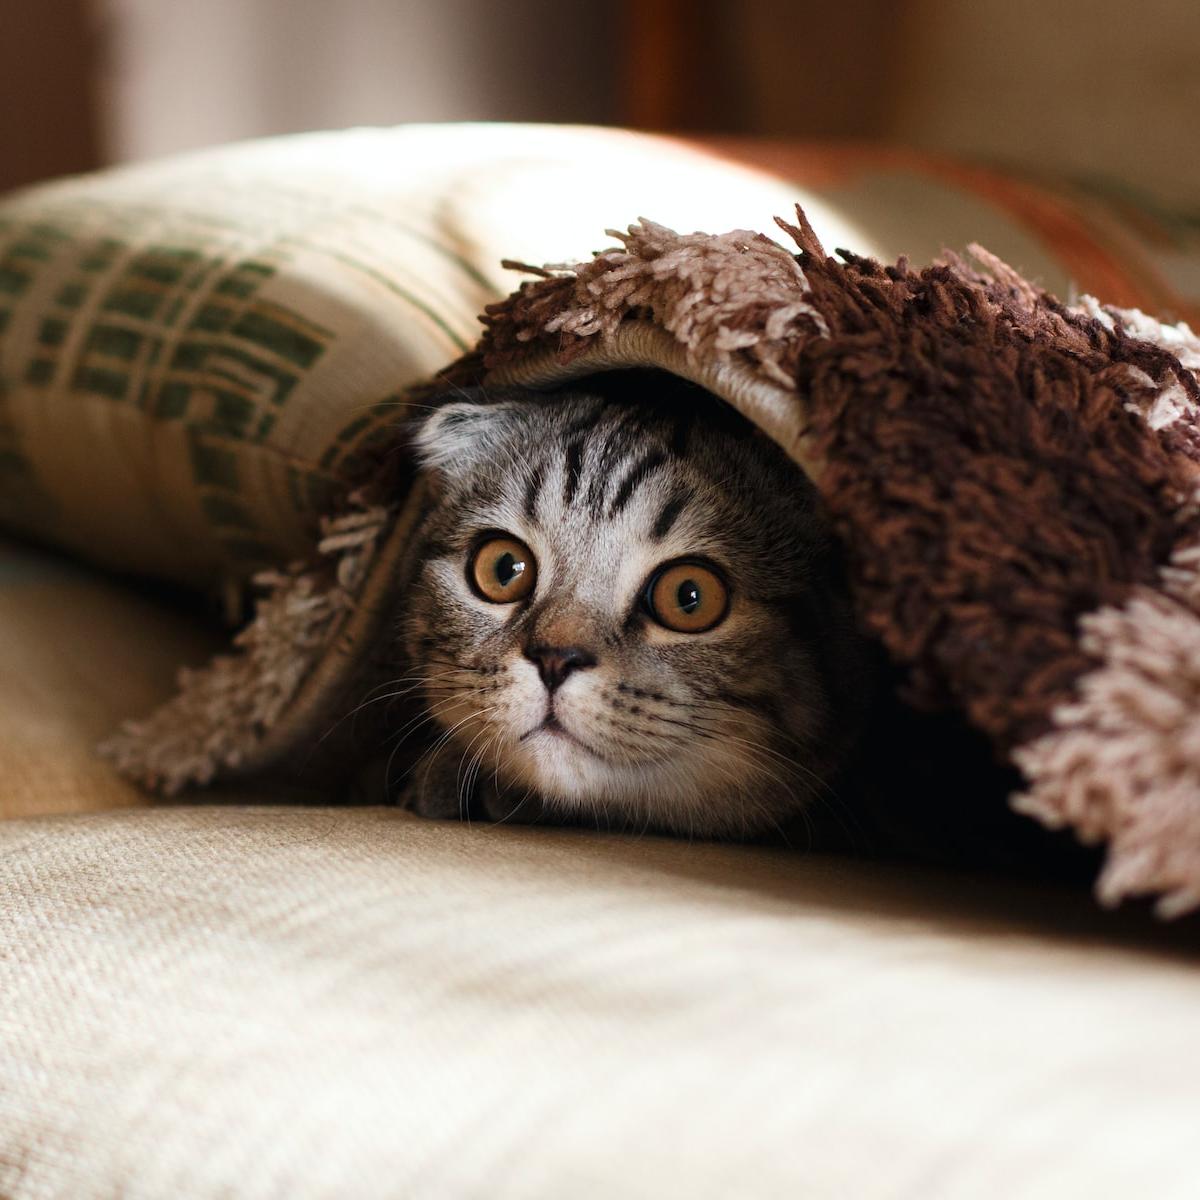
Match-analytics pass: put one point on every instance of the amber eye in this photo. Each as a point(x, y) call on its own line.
point(503, 570)
point(687, 597)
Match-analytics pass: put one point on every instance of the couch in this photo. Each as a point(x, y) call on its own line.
point(258, 991)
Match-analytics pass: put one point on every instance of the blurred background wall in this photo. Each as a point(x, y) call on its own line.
point(179, 73)
point(1081, 87)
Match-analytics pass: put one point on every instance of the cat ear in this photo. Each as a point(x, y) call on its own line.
point(458, 434)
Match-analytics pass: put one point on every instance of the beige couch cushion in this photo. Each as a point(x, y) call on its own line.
point(255, 1002)
point(77, 654)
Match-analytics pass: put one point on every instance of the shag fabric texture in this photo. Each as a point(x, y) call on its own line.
point(980, 443)
point(1015, 481)
point(217, 720)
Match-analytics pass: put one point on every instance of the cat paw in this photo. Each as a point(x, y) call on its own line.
point(436, 794)
point(439, 795)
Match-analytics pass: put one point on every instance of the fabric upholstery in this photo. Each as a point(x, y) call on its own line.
point(264, 1002)
point(312, 1002)
point(195, 353)
point(78, 653)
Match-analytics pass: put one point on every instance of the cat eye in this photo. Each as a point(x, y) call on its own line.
point(687, 597)
point(502, 570)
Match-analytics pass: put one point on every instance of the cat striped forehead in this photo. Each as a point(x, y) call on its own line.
point(615, 485)
point(555, 455)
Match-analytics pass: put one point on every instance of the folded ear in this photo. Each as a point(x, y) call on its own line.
point(456, 434)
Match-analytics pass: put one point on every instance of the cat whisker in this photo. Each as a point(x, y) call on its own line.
point(821, 792)
point(413, 682)
point(762, 747)
point(431, 714)
point(463, 779)
point(444, 739)
point(428, 713)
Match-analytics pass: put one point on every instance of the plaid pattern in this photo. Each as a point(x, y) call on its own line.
point(229, 354)
point(209, 341)
point(194, 354)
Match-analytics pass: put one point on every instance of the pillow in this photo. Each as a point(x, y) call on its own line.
point(196, 354)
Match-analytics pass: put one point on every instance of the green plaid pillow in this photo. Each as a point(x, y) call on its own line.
point(194, 353)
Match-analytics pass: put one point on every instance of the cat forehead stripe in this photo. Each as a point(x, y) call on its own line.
point(532, 491)
point(669, 515)
point(641, 470)
point(616, 448)
point(573, 469)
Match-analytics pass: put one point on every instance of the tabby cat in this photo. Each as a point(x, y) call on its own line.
point(627, 613)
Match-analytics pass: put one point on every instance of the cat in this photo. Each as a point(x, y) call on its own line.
point(628, 613)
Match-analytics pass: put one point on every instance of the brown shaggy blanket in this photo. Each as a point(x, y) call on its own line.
point(1014, 479)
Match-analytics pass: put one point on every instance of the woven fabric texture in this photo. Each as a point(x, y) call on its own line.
point(326, 1003)
point(194, 353)
point(77, 652)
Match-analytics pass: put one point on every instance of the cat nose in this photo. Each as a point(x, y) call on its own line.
point(555, 663)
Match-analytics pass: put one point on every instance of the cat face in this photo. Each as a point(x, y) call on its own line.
point(628, 612)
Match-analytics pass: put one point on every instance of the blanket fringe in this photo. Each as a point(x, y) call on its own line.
point(221, 712)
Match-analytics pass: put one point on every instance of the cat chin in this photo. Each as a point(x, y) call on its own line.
point(559, 765)
point(574, 780)
point(682, 795)
point(564, 770)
